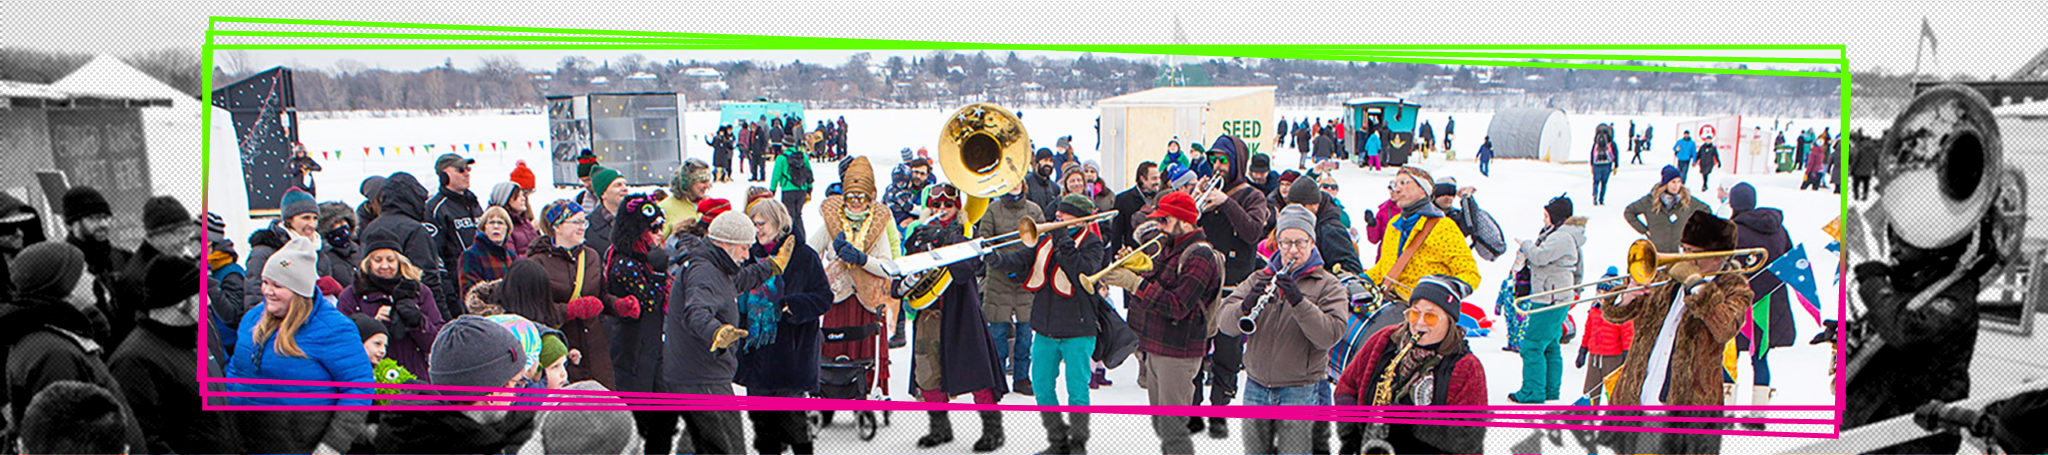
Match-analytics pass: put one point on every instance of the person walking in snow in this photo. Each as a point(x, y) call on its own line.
point(1486, 157)
point(1603, 159)
point(1684, 151)
point(1709, 157)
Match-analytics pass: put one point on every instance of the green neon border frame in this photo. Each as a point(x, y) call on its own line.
point(1446, 54)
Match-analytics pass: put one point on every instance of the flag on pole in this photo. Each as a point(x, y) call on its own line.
point(366, 151)
point(465, 147)
point(1797, 273)
point(1933, 45)
point(415, 149)
point(380, 151)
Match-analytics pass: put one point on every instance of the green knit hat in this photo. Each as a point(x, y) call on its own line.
point(551, 348)
point(601, 178)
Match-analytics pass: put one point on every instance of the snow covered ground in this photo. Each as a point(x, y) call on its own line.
point(1515, 194)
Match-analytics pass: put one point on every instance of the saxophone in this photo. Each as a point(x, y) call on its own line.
point(1376, 433)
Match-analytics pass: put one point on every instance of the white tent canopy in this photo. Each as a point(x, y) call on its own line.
point(172, 134)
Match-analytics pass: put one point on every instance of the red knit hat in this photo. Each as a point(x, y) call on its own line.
point(523, 176)
point(1178, 205)
point(709, 208)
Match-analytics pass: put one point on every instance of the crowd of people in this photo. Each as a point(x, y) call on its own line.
point(1257, 275)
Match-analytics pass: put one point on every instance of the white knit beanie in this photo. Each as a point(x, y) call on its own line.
point(732, 227)
point(294, 266)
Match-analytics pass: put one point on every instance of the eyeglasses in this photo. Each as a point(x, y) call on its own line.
point(1329, 187)
point(578, 222)
point(1298, 244)
point(1427, 317)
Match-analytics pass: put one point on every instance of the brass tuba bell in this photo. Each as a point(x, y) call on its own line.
point(984, 150)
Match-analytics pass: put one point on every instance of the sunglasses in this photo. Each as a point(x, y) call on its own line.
point(1427, 317)
point(1329, 187)
point(857, 197)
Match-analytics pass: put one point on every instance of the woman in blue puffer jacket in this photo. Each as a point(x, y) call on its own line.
point(294, 335)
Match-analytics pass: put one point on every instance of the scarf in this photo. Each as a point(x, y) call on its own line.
point(759, 306)
point(1412, 214)
point(1315, 261)
point(1414, 381)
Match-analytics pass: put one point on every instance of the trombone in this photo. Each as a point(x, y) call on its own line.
point(1644, 262)
point(973, 248)
point(1139, 260)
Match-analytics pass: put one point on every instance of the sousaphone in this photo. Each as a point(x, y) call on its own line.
point(984, 151)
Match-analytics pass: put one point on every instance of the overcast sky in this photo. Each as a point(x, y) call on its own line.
point(1980, 38)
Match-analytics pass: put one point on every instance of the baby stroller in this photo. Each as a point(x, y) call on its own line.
point(856, 359)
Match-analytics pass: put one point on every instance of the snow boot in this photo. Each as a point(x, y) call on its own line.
point(991, 432)
point(1055, 433)
point(1022, 387)
point(1760, 396)
point(1196, 425)
point(1077, 434)
point(1218, 428)
point(1098, 380)
point(941, 433)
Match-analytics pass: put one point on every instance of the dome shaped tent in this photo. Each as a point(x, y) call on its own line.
point(1537, 134)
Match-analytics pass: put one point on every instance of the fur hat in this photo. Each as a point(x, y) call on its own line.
point(164, 213)
point(84, 201)
point(859, 176)
point(474, 352)
point(483, 299)
point(522, 176)
point(1296, 217)
point(732, 227)
point(334, 214)
point(1178, 205)
point(1444, 290)
point(1708, 232)
point(1304, 191)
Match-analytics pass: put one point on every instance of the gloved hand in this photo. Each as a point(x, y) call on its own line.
point(628, 306)
point(781, 258)
point(847, 253)
point(1290, 289)
point(726, 336)
point(585, 307)
point(328, 286)
point(1259, 288)
point(1124, 278)
point(1582, 357)
point(408, 312)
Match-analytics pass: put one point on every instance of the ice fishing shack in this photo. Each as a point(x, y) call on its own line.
point(1137, 126)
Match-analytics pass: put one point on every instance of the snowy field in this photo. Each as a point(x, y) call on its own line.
point(1515, 194)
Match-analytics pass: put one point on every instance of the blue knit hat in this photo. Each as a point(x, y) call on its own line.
point(295, 203)
point(1670, 173)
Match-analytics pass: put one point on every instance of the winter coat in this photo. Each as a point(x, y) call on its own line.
point(781, 179)
point(1288, 332)
point(1817, 157)
point(1236, 225)
point(413, 324)
point(1002, 290)
point(1765, 228)
point(1459, 380)
point(402, 218)
point(1268, 182)
point(1927, 350)
point(1382, 215)
point(1709, 157)
point(1041, 190)
point(1606, 338)
point(1662, 224)
point(1123, 228)
point(485, 260)
point(597, 236)
point(703, 298)
point(881, 252)
point(46, 342)
point(337, 261)
point(1054, 315)
point(1173, 311)
point(1333, 239)
point(1443, 252)
point(721, 149)
point(452, 431)
point(334, 353)
point(1685, 149)
point(1554, 262)
point(521, 236)
point(1372, 144)
point(155, 370)
point(1486, 151)
point(1711, 318)
point(1323, 147)
point(224, 309)
point(588, 335)
point(790, 362)
point(967, 352)
point(262, 243)
point(455, 216)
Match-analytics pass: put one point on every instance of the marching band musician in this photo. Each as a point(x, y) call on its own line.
point(1680, 333)
point(1235, 222)
point(1424, 362)
point(1170, 308)
point(857, 246)
point(1065, 319)
point(1005, 304)
point(1419, 241)
point(951, 349)
point(1302, 317)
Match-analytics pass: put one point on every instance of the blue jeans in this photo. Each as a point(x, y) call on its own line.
point(1005, 347)
point(1282, 436)
point(1485, 167)
point(1076, 352)
point(1683, 166)
point(1600, 174)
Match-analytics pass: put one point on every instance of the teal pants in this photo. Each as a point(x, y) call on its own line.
point(1046, 355)
point(1542, 359)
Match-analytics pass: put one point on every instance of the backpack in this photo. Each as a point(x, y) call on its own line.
point(1487, 240)
point(800, 171)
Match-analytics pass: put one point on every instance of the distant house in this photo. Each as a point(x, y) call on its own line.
point(600, 80)
point(702, 72)
point(642, 76)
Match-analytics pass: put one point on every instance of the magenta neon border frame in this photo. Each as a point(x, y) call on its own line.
point(1370, 414)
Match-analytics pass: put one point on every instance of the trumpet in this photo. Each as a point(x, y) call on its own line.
point(1138, 261)
point(1644, 262)
point(973, 248)
point(1248, 324)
